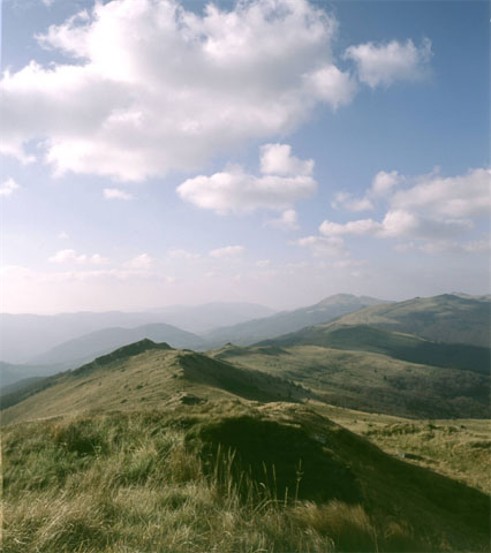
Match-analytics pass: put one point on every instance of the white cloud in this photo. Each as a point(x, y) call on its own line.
point(383, 64)
point(153, 87)
point(117, 194)
point(359, 227)
point(287, 221)
point(322, 246)
point(344, 200)
point(430, 213)
point(235, 191)
point(8, 187)
point(140, 262)
point(63, 235)
point(277, 159)
point(466, 195)
point(71, 256)
point(384, 183)
point(331, 85)
point(227, 251)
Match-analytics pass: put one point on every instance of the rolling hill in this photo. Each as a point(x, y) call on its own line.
point(143, 374)
point(155, 448)
point(448, 318)
point(397, 345)
point(369, 360)
point(289, 321)
point(80, 350)
point(25, 336)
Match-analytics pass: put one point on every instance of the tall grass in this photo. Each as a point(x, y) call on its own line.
point(132, 484)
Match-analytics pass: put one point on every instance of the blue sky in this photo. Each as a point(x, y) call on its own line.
point(274, 151)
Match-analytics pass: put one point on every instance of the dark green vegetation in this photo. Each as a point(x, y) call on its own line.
point(371, 381)
point(228, 476)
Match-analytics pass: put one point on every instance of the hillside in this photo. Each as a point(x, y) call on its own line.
point(405, 347)
point(448, 318)
point(229, 476)
point(86, 348)
point(147, 375)
point(289, 321)
point(369, 380)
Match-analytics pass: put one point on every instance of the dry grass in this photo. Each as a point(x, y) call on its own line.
point(135, 483)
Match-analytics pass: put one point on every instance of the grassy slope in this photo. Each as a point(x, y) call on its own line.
point(447, 318)
point(253, 331)
point(394, 344)
point(371, 381)
point(145, 375)
point(142, 481)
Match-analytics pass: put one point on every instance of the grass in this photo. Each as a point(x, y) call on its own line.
point(130, 483)
point(370, 381)
point(203, 478)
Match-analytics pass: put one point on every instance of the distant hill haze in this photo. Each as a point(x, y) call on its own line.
point(289, 321)
point(24, 336)
point(86, 348)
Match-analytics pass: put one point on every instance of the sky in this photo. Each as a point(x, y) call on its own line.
point(158, 152)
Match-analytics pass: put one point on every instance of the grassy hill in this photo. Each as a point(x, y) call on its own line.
point(289, 321)
point(394, 344)
point(151, 448)
point(229, 476)
point(448, 318)
point(369, 380)
point(147, 375)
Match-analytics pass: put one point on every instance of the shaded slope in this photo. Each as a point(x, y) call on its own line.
point(149, 473)
point(147, 375)
point(394, 344)
point(289, 321)
point(446, 318)
point(370, 381)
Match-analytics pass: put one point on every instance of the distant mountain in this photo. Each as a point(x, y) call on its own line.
point(144, 375)
point(449, 318)
point(75, 352)
point(290, 321)
point(203, 318)
point(25, 336)
point(11, 373)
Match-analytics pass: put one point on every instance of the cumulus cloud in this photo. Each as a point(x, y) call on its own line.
point(8, 187)
point(235, 191)
point(287, 221)
point(149, 86)
point(117, 194)
point(227, 251)
point(383, 64)
point(71, 256)
point(277, 159)
point(431, 213)
point(466, 195)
